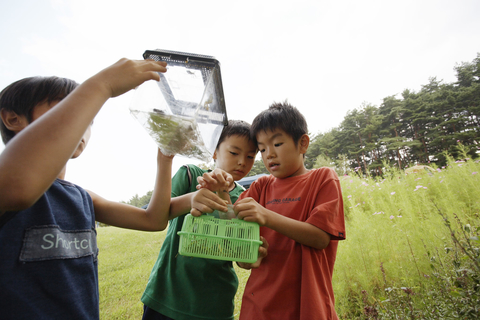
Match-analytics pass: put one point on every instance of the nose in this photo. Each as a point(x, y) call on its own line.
point(269, 153)
point(241, 161)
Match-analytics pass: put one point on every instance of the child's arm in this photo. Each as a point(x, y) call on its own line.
point(154, 218)
point(34, 158)
point(249, 210)
point(302, 232)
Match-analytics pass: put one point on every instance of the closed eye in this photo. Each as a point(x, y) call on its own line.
point(234, 153)
point(278, 144)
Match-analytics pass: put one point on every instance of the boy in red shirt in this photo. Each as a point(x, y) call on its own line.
point(300, 212)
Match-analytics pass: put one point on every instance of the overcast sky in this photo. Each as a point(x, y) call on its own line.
point(325, 57)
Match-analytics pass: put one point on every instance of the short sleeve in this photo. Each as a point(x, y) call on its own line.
point(328, 213)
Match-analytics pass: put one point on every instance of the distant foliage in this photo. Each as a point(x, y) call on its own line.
point(258, 168)
point(417, 127)
point(139, 202)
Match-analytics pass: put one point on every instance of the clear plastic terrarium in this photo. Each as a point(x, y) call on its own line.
point(185, 111)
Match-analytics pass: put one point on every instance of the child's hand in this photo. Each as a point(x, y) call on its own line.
point(127, 74)
point(216, 180)
point(250, 210)
point(205, 201)
point(262, 253)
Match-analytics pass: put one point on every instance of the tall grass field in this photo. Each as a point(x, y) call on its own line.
point(125, 261)
point(412, 250)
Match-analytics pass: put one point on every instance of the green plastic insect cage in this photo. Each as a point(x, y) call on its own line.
point(220, 239)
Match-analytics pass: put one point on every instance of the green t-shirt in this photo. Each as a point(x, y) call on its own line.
point(182, 287)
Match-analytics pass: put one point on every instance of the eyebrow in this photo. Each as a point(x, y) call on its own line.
point(278, 134)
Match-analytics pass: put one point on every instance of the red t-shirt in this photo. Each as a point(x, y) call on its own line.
point(295, 281)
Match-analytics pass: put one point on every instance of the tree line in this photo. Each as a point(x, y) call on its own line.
point(415, 128)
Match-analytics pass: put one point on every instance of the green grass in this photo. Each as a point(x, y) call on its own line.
point(397, 238)
point(412, 242)
point(125, 260)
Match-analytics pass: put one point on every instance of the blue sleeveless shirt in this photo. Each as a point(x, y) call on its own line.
point(48, 259)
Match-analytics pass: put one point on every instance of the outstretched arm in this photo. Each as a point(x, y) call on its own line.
point(35, 157)
point(154, 218)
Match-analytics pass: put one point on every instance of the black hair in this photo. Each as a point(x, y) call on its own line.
point(24, 95)
point(281, 116)
point(235, 127)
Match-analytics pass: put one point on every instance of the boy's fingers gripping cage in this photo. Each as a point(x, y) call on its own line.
point(213, 238)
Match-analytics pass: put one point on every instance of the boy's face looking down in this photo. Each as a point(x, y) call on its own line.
point(235, 155)
point(281, 156)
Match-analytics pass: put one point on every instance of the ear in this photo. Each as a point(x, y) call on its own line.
point(215, 155)
point(304, 143)
point(13, 121)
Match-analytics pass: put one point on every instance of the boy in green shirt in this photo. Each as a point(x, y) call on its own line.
point(189, 288)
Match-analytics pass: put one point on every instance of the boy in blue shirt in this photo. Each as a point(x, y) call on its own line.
point(48, 268)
